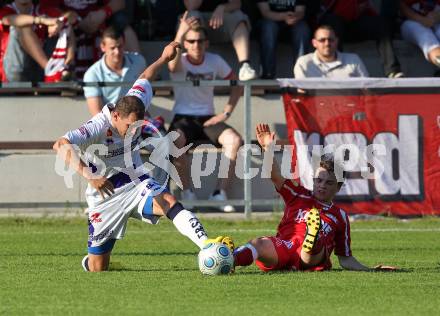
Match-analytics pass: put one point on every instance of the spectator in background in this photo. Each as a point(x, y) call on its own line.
point(91, 18)
point(116, 65)
point(280, 16)
point(422, 27)
point(25, 30)
point(326, 61)
point(357, 20)
point(195, 118)
point(224, 21)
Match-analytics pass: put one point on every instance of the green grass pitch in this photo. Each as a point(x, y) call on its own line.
point(155, 273)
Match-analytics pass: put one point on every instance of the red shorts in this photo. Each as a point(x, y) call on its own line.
point(289, 257)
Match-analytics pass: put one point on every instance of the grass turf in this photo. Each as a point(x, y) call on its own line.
point(156, 273)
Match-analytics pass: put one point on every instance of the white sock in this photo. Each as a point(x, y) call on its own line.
point(189, 225)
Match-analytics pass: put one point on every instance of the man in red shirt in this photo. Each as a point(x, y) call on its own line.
point(312, 226)
point(24, 49)
point(91, 18)
point(357, 20)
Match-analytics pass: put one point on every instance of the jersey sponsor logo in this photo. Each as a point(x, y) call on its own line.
point(150, 186)
point(95, 218)
point(106, 233)
point(121, 150)
point(300, 217)
point(83, 130)
point(139, 88)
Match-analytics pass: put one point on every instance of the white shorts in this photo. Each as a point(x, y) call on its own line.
point(108, 220)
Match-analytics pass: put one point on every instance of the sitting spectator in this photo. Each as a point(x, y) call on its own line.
point(116, 65)
point(92, 17)
point(422, 27)
point(224, 21)
point(326, 61)
point(356, 20)
point(279, 16)
point(194, 106)
point(25, 30)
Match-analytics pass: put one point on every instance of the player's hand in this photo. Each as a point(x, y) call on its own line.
point(103, 186)
point(215, 119)
point(384, 268)
point(170, 51)
point(216, 20)
point(264, 136)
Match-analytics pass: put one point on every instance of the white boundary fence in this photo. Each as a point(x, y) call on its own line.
point(310, 84)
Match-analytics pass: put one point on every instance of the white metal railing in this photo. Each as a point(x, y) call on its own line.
point(247, 201)
point(312, 84)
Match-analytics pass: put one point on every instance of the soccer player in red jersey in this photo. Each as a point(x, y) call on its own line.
point(312, 226)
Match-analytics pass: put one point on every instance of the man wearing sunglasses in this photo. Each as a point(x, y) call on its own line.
point(327, 61)
point(195, 118)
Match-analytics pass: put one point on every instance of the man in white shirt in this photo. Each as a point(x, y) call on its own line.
point(326, 61)
point(119, 187)
point(195, 118)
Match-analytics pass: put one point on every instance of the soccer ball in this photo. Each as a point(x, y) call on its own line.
point(215, 258)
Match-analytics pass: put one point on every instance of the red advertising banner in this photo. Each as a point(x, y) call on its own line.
point(387, 132)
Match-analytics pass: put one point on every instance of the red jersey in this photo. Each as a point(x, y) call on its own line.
point(81, 7)
point(335, 226)
point(349, 9)
point(40, 30)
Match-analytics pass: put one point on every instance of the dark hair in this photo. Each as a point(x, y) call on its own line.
point(198, 29)
point(324, 27)
point(130, 104)
point(113, 33)
point(328, 163)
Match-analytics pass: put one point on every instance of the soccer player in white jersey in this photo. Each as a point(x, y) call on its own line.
point(115, 195)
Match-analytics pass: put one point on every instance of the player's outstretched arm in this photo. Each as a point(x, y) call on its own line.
point(65, 151)
point(351, 263)
point(266, 139)
point(168, 54)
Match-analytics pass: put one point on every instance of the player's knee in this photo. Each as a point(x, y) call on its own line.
point(260, 244)
point(163, 203)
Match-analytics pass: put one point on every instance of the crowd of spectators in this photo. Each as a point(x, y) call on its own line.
point(30, 30)
point(97, 41)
